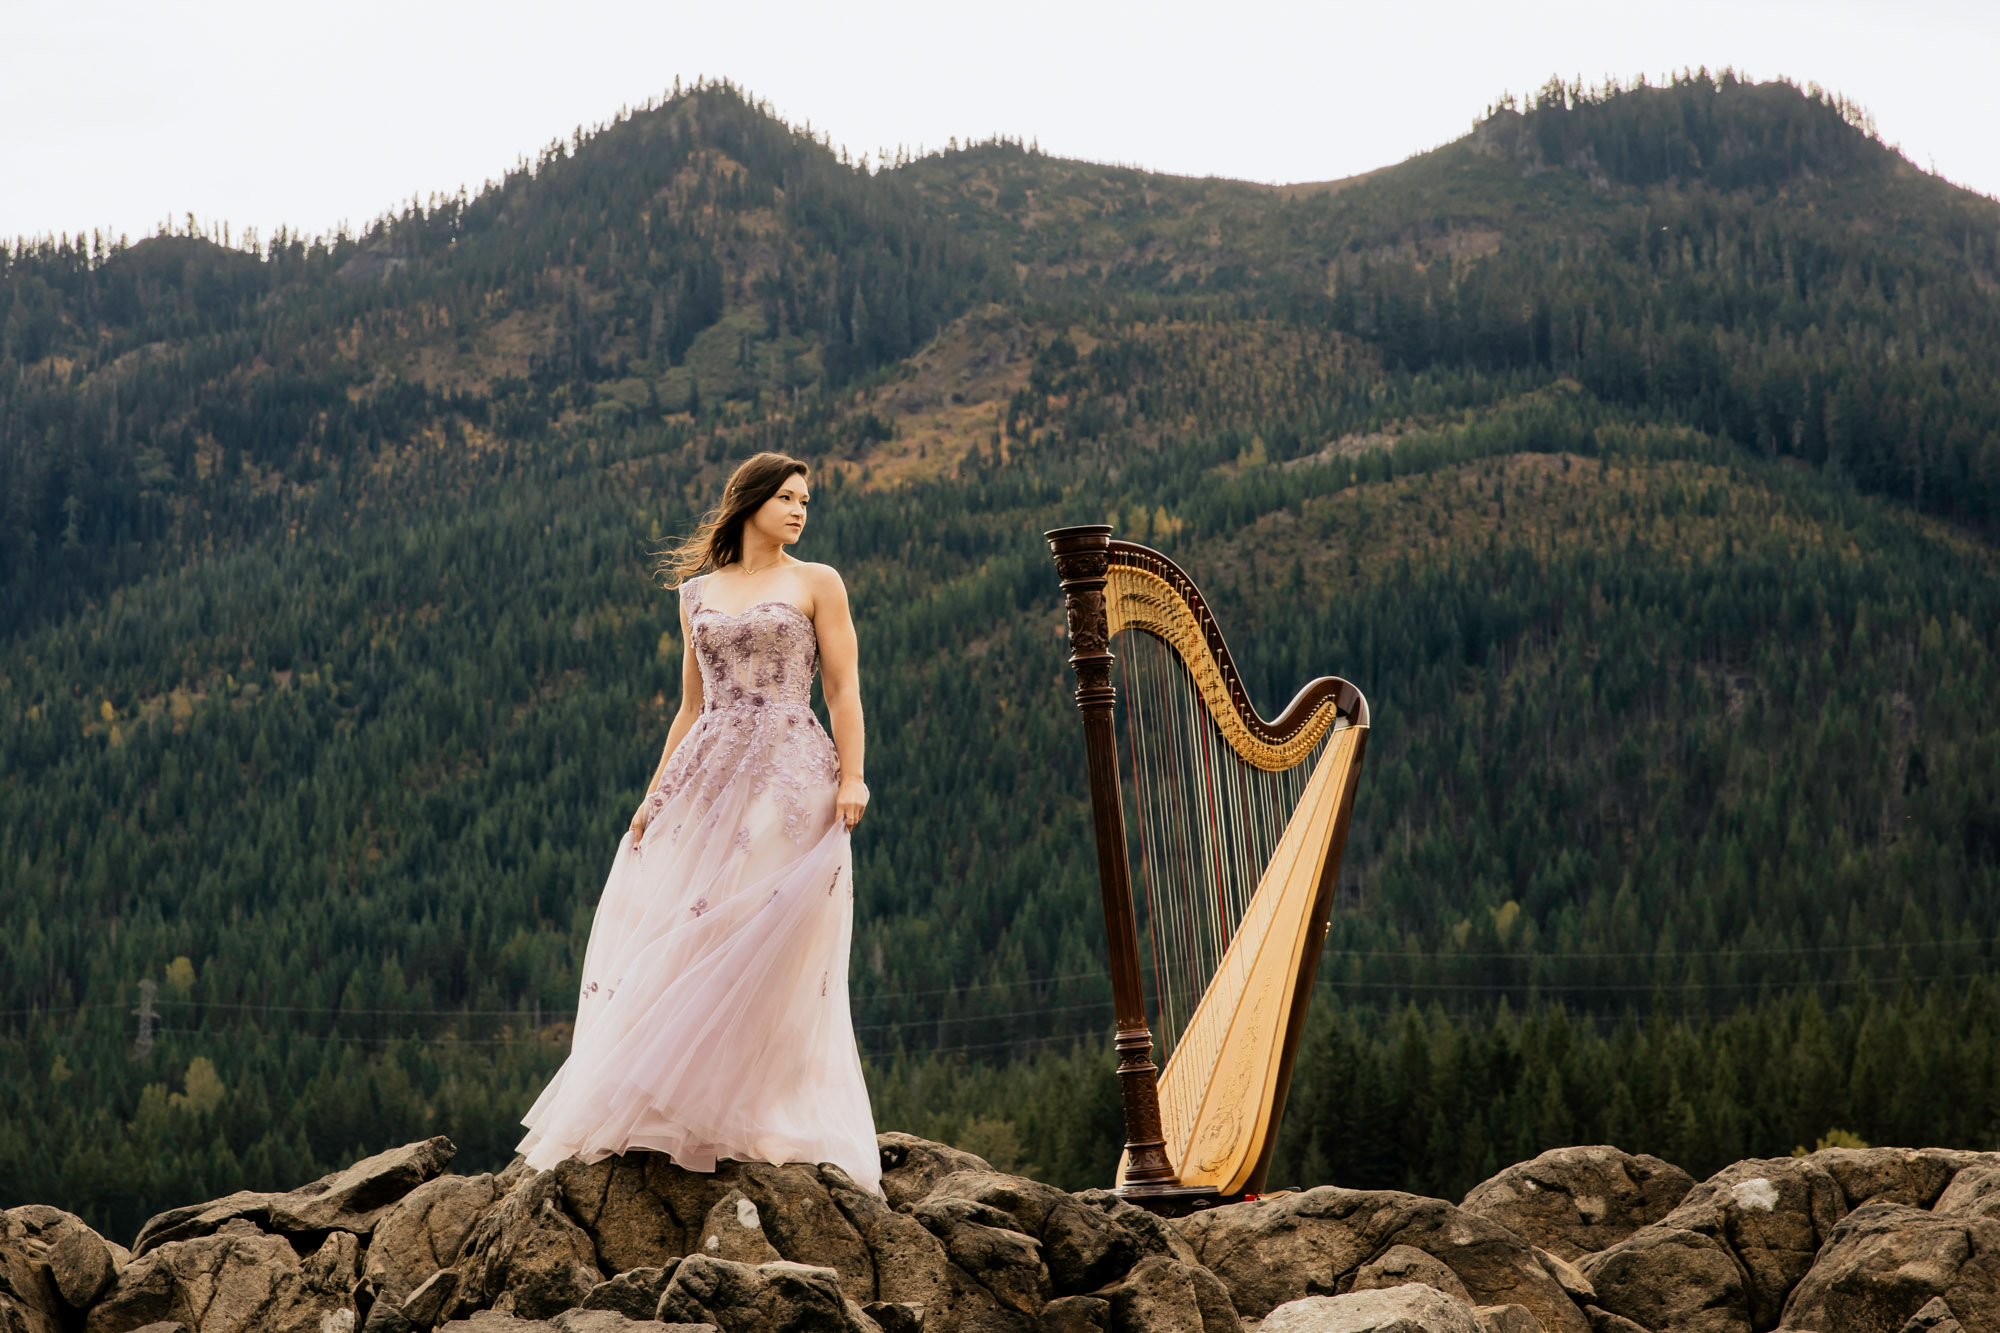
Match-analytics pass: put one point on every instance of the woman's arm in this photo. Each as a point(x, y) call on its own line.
point(840, 675)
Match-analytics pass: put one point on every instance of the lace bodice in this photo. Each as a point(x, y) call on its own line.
point(757, 727)
point(764, 654)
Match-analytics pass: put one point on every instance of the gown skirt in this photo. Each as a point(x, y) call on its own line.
point(713, 1017)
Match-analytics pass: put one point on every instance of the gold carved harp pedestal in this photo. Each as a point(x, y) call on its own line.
point(1240, 824)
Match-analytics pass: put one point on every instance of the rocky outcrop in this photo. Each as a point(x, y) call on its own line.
point(1580, 1240)
point(1317, 1242)
point(1577, 1201)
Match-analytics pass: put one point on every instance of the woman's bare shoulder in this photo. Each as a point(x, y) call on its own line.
point(824, 582)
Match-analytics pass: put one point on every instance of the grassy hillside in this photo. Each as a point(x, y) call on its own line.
point(1652, 502)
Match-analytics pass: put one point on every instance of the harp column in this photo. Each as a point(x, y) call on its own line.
point(1083, 560)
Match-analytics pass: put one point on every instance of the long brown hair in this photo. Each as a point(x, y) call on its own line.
point(719, 539)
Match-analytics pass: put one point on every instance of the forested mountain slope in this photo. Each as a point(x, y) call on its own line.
point(1650, 497)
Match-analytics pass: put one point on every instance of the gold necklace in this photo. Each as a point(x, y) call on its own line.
point(773, 565)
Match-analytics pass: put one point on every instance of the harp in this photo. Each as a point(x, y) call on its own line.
point(1240, 824)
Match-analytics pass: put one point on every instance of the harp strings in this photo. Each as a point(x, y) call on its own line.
point(1205, 825)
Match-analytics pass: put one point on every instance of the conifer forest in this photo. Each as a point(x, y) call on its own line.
point(1638, 454)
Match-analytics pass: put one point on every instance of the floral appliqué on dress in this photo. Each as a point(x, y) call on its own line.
point(756, 724)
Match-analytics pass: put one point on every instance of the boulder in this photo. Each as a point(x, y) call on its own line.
point(1085, 1242)
point(29, 1299)
point(1413, 1308)
point(1765, 1219)
point(911, 1166)
point(1163, 1295)
point(635, 1294)
point(911, 1267)
point(524, 1256)
point(238, 1278)
point(781, 1297)
point(641, 1210)
point(1506, 1319)
point(1911, 1176)
point(983, 1245)
point(1669, 1278)
point(1577, 1201)
point(1074, 1314)
point(1400, 1265)
point(1973, 1192)
point(1886, 1262)
point(1271, 1251)
point(424, 1230)
point(352, 1199)
point(734, 1230)
point(81, 1264)
point(1935, 1317)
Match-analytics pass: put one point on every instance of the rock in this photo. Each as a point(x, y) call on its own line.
point(525, 1256)
point(1271, 1251)
point(29, 1301)
point(1603, 1321)
point(982, 1243)
point(1075, 1314)
point(911, 1267)
point(1506, 1319)
point(802, 1221)
point(348, 1200)
point(1912, 1176)
point(780, 1297)
point(1084, 1246)
point(1414, 1308)
point(236, 1279)
point(423, 1231)
point(896, 1316)
point(355, 1198)
point(163, 1326)
point(1218, 1312)
point(735, 1231)
point(1973, 1192)
point(1155, 1297)
point(426, 1305)
point(637, 1207)
point(608, 1321)
point(80, 1264)
point(911, 1166)
point(634, 1294)
point(1935, 1317)
point(1765, 1218)
point(1885, 1262)
point(1567, 1275)
point(1668, 1278)
point(1577, 1201)
point(1400, 1265)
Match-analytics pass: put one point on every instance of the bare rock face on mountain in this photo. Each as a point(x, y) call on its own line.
point(1285, 1247)
point(1577, 1201)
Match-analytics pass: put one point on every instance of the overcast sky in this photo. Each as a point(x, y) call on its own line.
point(117, 114)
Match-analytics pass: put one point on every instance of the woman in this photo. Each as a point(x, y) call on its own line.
point(713, 1018)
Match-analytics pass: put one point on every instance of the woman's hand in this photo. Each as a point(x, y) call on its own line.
point(850, 801)
point(652, 805)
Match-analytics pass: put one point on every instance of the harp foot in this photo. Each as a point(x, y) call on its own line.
point(1175, 1200)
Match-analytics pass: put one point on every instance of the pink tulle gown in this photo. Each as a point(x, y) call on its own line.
point(713, 1018)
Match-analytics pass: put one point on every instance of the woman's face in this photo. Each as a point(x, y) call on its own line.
point(782, 518)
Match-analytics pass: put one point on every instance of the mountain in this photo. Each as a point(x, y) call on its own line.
point(1650, 498)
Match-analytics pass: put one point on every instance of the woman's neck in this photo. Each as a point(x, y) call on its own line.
point(757, 557)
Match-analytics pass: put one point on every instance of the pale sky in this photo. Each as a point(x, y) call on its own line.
point(117, 114)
